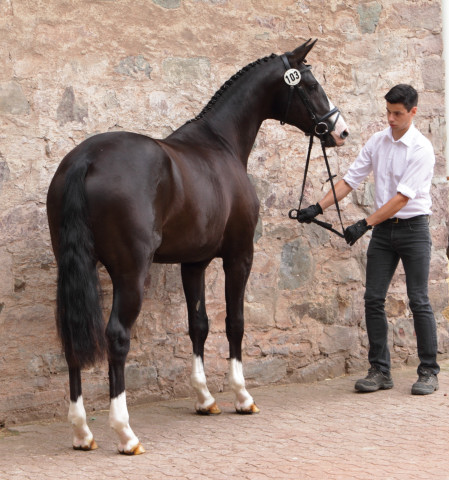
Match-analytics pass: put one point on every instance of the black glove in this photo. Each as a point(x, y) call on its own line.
point(306, 215)
point(354, 232)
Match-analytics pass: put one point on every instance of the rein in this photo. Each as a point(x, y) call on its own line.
point(292, 78)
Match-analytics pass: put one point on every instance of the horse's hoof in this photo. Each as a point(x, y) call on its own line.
point(86, 448)
point(248, 411)
point(137, 450)
point(212, 410)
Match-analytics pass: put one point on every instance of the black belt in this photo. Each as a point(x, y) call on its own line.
point(404, 220)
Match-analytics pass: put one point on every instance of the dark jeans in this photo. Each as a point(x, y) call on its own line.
point(407, 240)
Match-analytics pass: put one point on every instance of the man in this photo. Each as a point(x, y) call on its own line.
point(402, 161)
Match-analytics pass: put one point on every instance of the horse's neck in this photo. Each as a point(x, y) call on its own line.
point(239, 115)
point(236, 117)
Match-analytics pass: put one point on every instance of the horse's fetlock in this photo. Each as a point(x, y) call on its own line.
point(119, 424)
point(118, 413)
point(198, 380)
point(77, 413)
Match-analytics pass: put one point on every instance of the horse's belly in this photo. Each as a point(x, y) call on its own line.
point(185, 252)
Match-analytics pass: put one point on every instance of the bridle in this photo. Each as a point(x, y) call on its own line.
point(292, 78)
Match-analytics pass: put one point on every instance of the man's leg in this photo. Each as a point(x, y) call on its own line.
point(382, 261)
point(381, 264)
point(415, 250)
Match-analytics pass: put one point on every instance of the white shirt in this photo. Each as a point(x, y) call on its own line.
point(403, 166)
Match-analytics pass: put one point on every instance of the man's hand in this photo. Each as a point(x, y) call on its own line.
point(306, 215)
point(354, 232)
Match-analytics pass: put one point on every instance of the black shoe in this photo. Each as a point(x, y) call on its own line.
point(427, 383)
point(375, 380)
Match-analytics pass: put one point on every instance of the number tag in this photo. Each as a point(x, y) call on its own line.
point(292, 77)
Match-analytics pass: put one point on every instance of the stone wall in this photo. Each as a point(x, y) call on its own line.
point(72, 69)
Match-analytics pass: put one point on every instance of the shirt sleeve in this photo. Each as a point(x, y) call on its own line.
point(418, 174)
point(361, 167)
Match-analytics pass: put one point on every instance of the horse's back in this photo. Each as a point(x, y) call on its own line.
point(113, 155)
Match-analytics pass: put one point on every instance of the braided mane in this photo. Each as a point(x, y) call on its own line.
point(228, 84)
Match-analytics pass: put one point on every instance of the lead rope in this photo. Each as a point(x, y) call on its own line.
point(342, 235)
point(293, 213)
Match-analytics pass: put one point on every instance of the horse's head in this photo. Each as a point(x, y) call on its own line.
point(306, 104)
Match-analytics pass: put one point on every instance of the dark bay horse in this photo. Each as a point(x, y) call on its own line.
point(127, 200)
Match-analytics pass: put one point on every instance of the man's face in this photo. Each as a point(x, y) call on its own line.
point(399, 118)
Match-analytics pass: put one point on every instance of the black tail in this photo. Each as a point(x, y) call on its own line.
point(79, 315)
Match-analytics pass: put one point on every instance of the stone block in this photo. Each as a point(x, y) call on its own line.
point(12, 99)
point(336, 338)
point(259, 316)
point(264, 371)
point(369, 13)
point(131, 66)
point(169, 4)
point(69, 110)
point(320, 370)
point(404, 333)
point(433, 73)
point(140, 376)
point(185, 70)
point(297, 266)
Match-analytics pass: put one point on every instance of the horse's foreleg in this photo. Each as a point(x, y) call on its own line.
point(126, 307)
point(82, 436)
point(237, 272)
point(193, 284)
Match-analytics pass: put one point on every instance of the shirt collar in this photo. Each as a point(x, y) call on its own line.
point(407, 138)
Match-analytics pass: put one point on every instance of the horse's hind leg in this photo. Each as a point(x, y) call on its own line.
point(237, 269)
point(82, 436)
point(128, 294)
point(193, 283)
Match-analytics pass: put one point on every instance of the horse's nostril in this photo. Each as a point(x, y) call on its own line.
point(344, 134)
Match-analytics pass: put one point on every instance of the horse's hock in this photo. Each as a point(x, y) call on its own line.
point(67, 73)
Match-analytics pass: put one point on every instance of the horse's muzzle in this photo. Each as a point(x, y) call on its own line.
point(334, 139)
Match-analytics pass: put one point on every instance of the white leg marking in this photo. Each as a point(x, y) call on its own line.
point(82, 436)
point(119, 421)
point(243, 400)
point(198, 382)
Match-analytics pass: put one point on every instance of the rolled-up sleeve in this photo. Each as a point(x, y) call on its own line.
point(419, 172)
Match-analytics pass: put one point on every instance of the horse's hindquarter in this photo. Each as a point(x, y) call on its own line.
point(125, 174)
point(214, 206)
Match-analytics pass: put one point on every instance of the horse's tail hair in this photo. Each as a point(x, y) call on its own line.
point(79, 315)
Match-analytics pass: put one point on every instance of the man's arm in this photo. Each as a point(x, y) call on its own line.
point(385, 212)
point(341, 190)
point(306, 215)
point(388, 210)
point(354, 232)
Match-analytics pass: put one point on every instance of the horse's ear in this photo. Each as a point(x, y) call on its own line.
point(299, 54)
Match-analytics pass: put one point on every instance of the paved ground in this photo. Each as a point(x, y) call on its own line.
point(315, 431)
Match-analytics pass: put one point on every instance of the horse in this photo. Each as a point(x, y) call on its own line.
point(125, 200)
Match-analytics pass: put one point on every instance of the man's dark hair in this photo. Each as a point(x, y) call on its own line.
point(404, 94)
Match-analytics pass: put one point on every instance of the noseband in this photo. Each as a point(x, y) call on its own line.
point(293, 78)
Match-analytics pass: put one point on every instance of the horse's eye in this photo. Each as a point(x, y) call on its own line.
point(313, 87)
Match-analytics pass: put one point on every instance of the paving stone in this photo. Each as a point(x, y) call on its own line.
point(304, 431)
